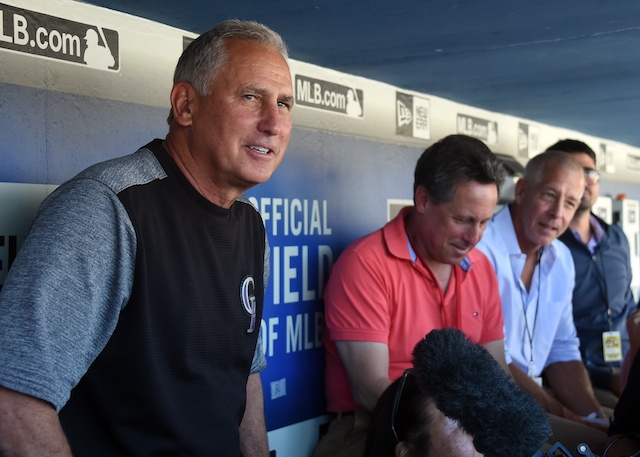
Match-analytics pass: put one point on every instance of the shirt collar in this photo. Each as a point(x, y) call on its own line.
point(597, 233)
point(507, 232)
point(596, 228)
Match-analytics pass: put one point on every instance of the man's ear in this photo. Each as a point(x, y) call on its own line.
point(519, 190)
point(184, 99)
point(404, 449)
point(421, 199)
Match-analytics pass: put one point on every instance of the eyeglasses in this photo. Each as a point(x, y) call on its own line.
point(396, 402)
point(591, 175)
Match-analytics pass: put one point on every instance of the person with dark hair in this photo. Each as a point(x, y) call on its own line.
point(455, 401)
point(130, 319)
point(419, 272)
point(536, 276)
point(602, 297)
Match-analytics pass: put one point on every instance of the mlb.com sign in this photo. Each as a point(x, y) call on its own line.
point(51, 37)
point(329, 96)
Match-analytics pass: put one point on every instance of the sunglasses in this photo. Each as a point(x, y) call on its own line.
point(396, 401)
point(592, 175)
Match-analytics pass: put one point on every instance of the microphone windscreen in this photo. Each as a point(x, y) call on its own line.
point(468, 385)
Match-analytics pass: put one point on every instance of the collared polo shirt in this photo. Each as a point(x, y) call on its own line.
point(379, 291)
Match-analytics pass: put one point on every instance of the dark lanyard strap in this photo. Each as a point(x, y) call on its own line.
point(531, 332)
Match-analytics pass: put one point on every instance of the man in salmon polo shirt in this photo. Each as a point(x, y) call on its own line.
point(417, 273)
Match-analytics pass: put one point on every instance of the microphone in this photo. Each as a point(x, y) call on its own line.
point(468, 385)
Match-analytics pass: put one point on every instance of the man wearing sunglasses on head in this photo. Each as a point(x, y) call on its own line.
point(455, 401)
point(602, 298)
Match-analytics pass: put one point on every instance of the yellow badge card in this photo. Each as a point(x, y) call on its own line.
point(612, 346)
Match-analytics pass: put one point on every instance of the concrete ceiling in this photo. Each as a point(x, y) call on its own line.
point(573, 64)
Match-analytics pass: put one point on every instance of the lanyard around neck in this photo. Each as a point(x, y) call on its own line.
point(596, 257)
point(531, 331)
point(593, 246)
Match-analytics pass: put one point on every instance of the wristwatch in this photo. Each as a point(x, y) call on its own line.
point(596, 415)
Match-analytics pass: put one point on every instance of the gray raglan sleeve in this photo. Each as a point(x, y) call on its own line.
point(62, 297)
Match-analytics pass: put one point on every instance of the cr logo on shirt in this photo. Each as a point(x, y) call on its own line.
point(248, 297)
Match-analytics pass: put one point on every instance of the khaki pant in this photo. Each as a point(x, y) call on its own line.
point(571, 434)
point(346, 436)
point(606, 398)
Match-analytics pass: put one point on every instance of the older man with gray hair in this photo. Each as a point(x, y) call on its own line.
point(129, 322)
point(536, 277)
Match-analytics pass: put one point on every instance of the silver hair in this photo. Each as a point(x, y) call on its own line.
point(538, 166)
point(207, 54)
